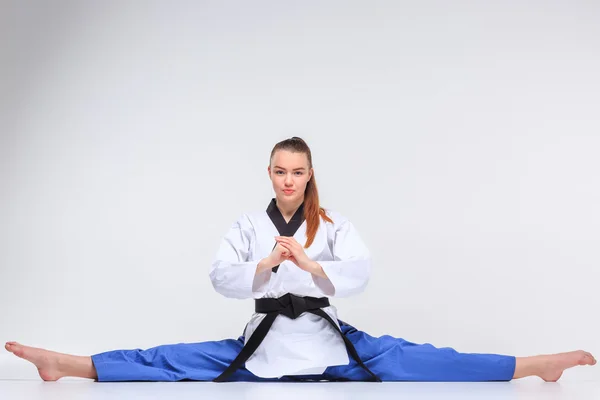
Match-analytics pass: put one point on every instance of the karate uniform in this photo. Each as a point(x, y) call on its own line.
point(307, 347)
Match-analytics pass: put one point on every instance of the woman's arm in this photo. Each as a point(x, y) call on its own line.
point(349, 272)
point(231, 274)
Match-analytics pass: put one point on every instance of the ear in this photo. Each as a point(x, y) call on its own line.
point(269, 171)
point(311, 174)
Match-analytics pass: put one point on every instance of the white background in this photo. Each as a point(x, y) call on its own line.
point(461, 139)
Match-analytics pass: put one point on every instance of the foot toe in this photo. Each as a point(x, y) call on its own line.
point(591, 359)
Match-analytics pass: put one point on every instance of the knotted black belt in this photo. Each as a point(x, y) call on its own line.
point(292, 307)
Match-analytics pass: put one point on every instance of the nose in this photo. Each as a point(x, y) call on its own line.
point(288, 179)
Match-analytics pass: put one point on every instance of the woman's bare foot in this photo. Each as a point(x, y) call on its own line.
point(47, 362)
point(551, 367)
point(52, 365)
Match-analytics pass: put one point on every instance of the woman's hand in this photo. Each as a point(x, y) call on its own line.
point(296, 253)
point(277, 256)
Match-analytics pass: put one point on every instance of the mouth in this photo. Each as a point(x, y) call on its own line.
point(288, 191)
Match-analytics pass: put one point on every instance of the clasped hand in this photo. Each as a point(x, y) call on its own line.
point(288, 248)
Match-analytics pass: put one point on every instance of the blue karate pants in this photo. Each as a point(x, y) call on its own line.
point(391, 359)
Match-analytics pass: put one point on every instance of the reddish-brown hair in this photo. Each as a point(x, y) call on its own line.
point(312, 210)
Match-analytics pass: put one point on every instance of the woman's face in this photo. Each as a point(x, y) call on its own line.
point(289, 173)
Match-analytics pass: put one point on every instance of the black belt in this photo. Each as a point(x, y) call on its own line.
point(292, 307)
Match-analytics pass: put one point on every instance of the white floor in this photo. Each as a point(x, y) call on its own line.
point(85, 389)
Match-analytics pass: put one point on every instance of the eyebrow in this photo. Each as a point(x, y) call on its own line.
point(284, 168)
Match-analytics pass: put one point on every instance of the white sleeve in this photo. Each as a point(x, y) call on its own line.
point(231, 273)
point(349, 271)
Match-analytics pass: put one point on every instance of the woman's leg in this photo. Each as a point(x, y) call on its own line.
point(395, 359)
point(550, 367)
point(184, 361)
point(52, 365)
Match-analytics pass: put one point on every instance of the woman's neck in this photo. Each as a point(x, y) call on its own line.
point(288, 208)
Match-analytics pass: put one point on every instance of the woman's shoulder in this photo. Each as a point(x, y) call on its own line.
point(337, 217)
point(244, 221)
point(252, 218)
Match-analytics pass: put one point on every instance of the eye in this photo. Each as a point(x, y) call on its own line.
point(278, 172)
point(299, 172)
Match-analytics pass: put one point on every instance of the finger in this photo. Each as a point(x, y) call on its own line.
point(288, 242)
point(290, 253)
point(286, 239)
point(285, 246)
point(293, 242)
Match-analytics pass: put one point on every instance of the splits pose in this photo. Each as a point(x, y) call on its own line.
point(291, 258)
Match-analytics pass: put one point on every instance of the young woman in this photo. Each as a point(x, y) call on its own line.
point(291, 259)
